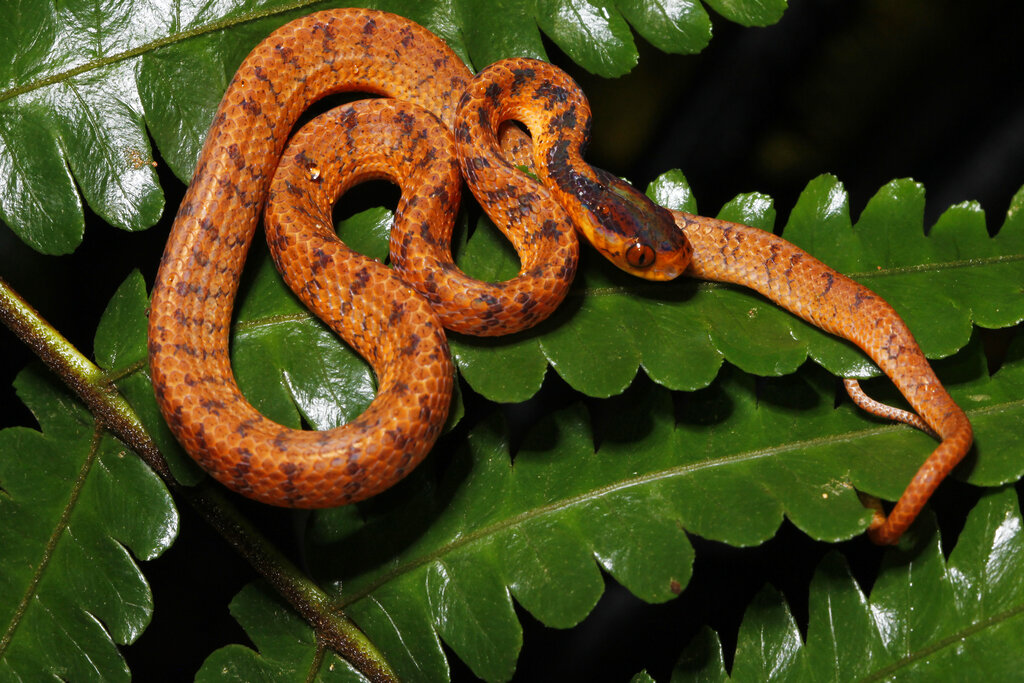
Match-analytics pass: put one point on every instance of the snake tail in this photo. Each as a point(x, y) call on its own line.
point(803, 285)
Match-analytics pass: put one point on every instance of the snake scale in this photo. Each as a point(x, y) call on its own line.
point(435, 125)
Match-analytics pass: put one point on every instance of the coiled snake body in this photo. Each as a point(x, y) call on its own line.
point(395, 317)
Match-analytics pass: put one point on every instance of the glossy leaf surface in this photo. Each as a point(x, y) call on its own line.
point(927, 618)
point(287, 649)
point(62, 133)
point(680, 332)
point(442, 555)
point(501, 520)
point(70, 588)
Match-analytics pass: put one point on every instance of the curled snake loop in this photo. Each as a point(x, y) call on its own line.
point(437, 124)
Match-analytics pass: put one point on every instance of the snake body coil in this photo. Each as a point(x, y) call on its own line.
point(437, 124)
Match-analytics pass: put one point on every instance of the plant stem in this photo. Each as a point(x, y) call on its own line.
point(91, 384)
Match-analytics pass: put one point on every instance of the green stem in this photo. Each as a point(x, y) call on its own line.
point(92, 385)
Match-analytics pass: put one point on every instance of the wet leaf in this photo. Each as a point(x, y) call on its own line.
point(71, 590)
point(927, 618)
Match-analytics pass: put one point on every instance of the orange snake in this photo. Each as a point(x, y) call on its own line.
point(395, 317)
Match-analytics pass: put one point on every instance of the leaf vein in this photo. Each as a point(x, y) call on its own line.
point(32, 589)
point(151, 46)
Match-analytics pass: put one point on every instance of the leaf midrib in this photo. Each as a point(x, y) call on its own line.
point(147, 47)
point(644, 286)
point(63, 523)
point(648, 478)
point(952, 639)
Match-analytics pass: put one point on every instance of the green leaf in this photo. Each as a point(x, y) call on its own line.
point(679, 27)
point(61, 127)
point(121, 350)
point(179, 124)
point(940, 283)
point(592, 32)
point(433, 565)
point(313, 374)
point(680, 332)
point(563, 510)
point(927, 618)
point(70, 589)
point(184, 73)
point(500, 29)
point(61, 133)
point(702, 658)
point(287, 648)
point(428, 564)
point(768, 640)
point(750, 12)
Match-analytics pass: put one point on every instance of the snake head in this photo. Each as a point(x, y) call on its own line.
point(632, 231)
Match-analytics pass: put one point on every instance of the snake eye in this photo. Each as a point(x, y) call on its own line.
point(640, 255)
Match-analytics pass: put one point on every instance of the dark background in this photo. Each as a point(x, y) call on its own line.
point(868, 90)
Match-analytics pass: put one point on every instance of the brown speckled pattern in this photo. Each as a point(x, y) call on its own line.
point(615, 218)
point(191, 311)
point(392, 139)
point(399, 329)
point(372, 307)
point(728, 252)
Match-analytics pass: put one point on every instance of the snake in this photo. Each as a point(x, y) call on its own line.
point(515, 133)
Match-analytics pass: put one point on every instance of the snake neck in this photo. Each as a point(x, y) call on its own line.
point(622, 223)
point(625, 226)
